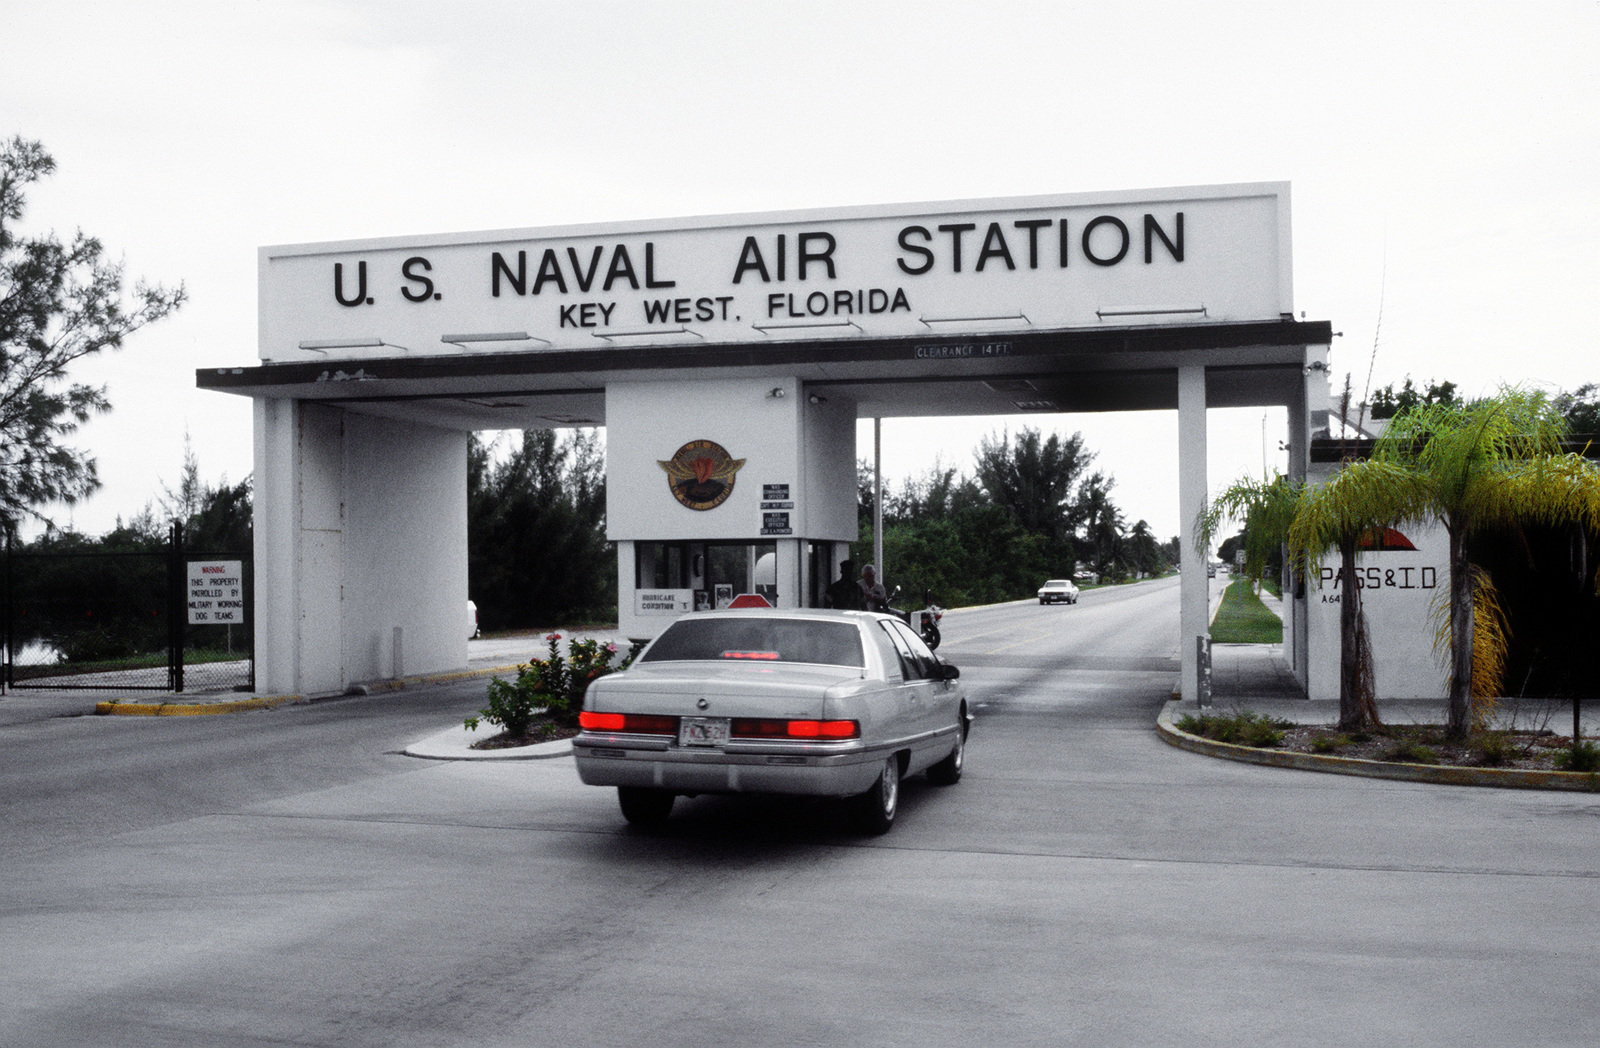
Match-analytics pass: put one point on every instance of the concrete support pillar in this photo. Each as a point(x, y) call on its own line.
point(1194, 616)
point(360, 541)
point(276, 528)
point(1308, 416)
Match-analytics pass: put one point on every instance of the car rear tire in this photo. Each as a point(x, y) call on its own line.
point(948, 771)
point(875, 810)
point(645, 807)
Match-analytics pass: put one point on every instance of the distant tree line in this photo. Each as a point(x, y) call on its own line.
point(1030, 511)
point(537, 553)
point(1579, 408)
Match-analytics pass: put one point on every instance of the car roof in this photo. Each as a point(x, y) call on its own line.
point(821, 614)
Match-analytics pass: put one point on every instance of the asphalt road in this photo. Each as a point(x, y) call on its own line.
point(287, 878)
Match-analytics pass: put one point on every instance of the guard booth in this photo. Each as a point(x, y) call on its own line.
point(729, 359)
point(755, 496)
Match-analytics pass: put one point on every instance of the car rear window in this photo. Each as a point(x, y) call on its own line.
point(758, 640)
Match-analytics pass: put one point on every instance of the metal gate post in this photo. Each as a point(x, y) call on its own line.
point(177, 608)
point(6, 652)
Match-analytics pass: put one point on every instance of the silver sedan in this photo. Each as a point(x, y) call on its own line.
point(821, 703)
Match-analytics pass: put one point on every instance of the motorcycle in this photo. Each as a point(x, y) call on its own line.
point(925, 622)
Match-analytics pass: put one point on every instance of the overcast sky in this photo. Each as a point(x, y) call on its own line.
point(1444, 161)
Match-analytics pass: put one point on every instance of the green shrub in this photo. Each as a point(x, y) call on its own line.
point(1243, 728)
point(1329, 743)
point(1584, 756)
point(1408, 751)
point(554, 684)
point(1494, 750)
point(1262, 734)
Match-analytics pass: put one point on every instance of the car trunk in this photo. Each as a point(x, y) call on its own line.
point(729, 690)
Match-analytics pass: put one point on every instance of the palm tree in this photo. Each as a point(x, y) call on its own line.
point(1271, 510)
point(1360, 500)
point(1492, 464)
point(1474, 466)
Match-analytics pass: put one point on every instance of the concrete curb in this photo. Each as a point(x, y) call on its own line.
point(1497, 778)
point(203, 707)
point(455, 744)
point(194, 709)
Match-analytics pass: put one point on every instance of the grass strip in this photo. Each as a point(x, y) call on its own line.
point(1243, 619)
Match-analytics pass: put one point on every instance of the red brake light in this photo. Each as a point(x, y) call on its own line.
point(834, 729)
point(637, 723)
point(766, 656)
point(754, 728)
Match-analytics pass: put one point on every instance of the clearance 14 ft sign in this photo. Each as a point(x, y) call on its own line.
point(1209, 253)
point(216, 592)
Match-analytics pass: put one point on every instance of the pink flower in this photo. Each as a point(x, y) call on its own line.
point(612, 648)
point(552, 636)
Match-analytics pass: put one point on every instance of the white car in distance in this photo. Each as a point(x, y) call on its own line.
point(1058, 591)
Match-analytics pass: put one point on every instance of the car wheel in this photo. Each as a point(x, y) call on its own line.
point(948, 771)
point(930, 636)
point(1042, 601)
point(645, 807)
point(875, 809)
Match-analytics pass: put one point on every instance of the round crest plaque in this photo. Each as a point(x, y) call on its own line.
point(701, 474)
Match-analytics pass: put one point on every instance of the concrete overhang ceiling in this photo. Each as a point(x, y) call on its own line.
point(1127, 369)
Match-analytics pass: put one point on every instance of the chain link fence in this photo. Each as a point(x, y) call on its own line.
point(128, 622)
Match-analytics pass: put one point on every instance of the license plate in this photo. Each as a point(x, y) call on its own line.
point(702, 731)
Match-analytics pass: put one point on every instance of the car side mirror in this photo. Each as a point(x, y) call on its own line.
point(948, 671)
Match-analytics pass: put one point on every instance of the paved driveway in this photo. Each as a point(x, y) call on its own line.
point(285, 877)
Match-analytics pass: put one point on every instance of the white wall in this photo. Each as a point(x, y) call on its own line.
point(1398, 590)
point(405, 561)
point(829, 455)
point(361, 527)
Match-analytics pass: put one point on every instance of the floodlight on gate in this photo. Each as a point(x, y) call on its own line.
point(494, 336)
point(818, 325)
point(1151, 311)
point(322, 345)
point(647, 333)
point(930, 321)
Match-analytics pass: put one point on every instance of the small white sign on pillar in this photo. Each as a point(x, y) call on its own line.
point(216, 592)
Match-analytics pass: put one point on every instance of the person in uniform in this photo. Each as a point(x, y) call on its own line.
point(844, 593)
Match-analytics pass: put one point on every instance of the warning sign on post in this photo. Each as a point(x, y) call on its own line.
point(216, 592)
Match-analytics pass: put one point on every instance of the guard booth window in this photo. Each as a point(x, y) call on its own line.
point(717, 572)
point(733, 568)
point(662, 565)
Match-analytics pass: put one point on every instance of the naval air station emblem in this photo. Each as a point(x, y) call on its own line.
point(701, 474)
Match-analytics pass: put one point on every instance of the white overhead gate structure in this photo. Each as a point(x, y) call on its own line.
point(728, 359)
